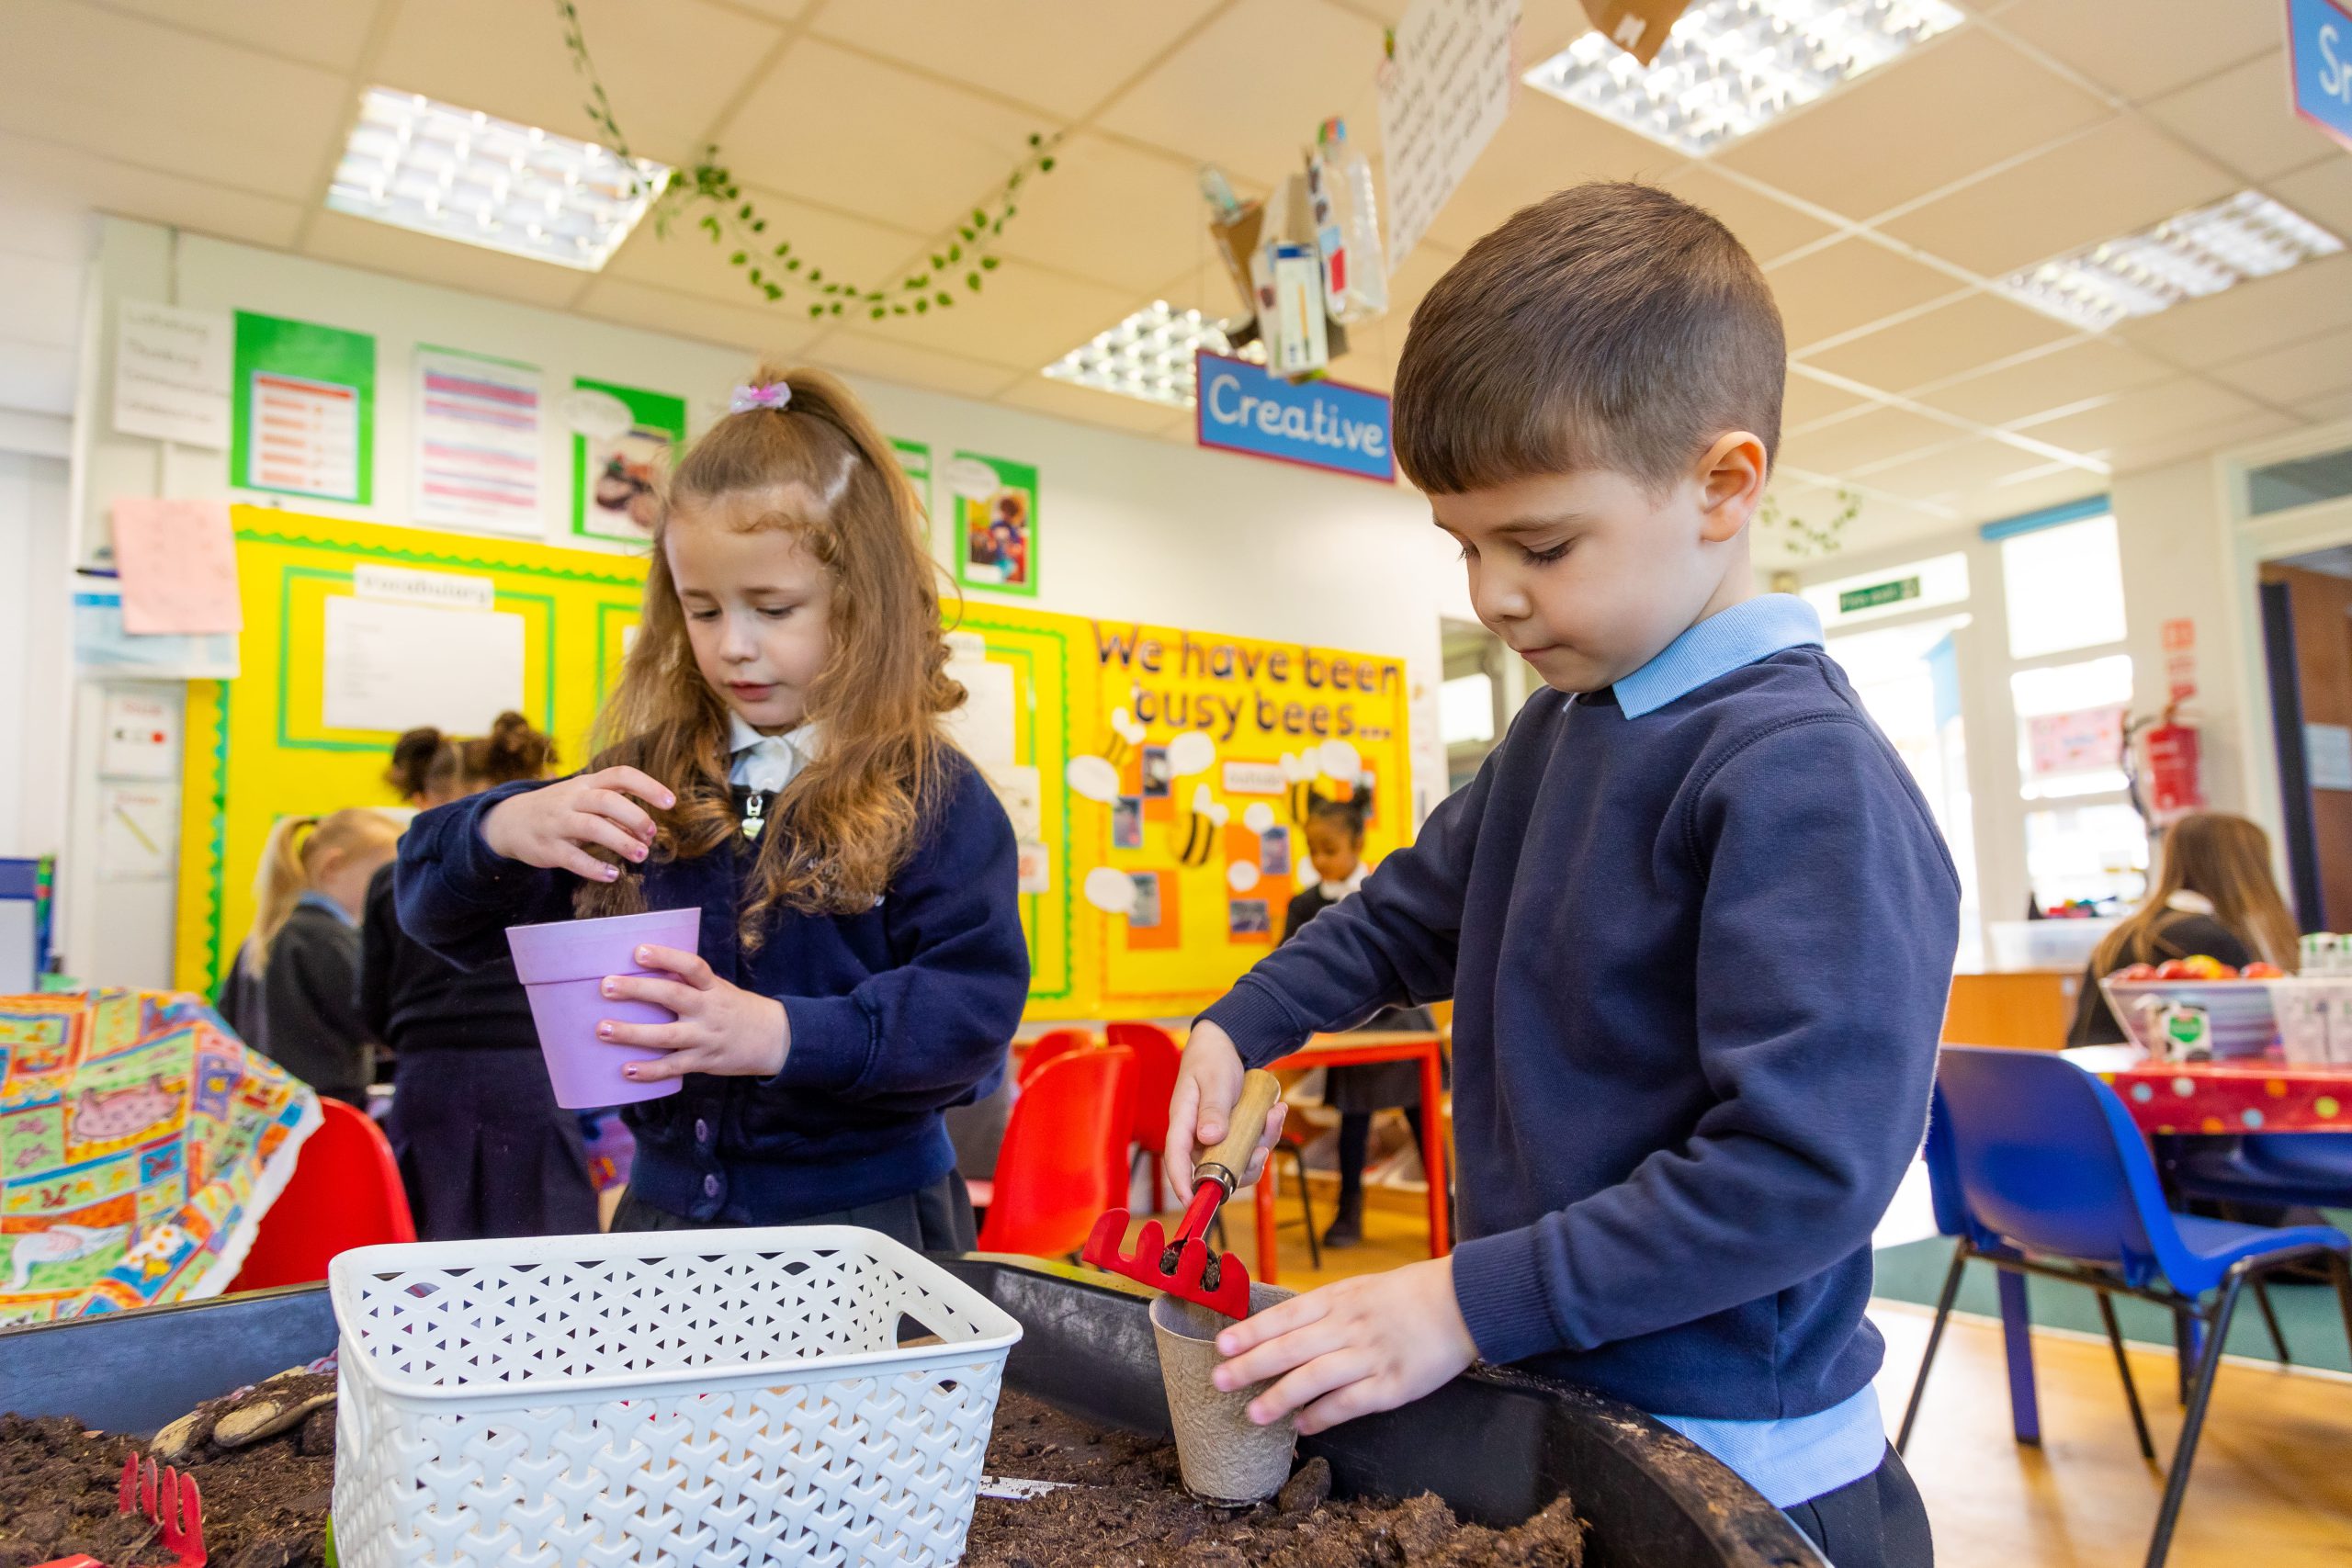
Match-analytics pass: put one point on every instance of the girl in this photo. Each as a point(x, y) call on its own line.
point(289, 992)
point(1335, 845)
point(483, 1148)
point(774, 756)
point(2213, 894)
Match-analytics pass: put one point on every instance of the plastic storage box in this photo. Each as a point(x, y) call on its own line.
point(699, 1397)
point(2238, 1011)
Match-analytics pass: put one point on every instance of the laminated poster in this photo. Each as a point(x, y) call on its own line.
point(477, 443)
point(624, 441)
point(305, 411)
point(996, 520)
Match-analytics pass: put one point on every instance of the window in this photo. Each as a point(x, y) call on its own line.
point(1466, 710)
point(2097, 854)
point(2064, 586)
point(2299, 481)
point(2070, 726)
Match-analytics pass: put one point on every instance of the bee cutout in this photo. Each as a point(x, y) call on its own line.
point(1200, 828)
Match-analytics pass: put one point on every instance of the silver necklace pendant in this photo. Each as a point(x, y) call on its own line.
point(753, 815)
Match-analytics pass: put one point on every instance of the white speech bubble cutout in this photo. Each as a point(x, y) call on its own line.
point(1190, 752)
point(1340, 760)
point(1259, 816)
point(1111, 891)
point(600, 416)
point(971, 478)
point(1093, 778)
point(1242, 876)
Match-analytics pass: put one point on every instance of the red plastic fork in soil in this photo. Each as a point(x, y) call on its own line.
point(263, 1507)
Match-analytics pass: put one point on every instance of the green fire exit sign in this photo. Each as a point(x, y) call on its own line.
point(1878, 593)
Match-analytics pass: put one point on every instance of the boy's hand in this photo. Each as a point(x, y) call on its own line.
point(721, 1027)
point(1370, 1343)
point(1207, 1083)
point(552, 827)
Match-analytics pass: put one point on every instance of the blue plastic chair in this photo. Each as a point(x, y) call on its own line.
point(2282, 1170)
point(2051, 1179)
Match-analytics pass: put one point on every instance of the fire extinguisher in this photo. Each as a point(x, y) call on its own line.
point(2160, 758)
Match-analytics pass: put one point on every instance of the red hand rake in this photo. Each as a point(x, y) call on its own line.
point(166, 1499)
point(1184, 1266)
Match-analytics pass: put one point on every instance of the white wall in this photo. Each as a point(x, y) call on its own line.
point(1129, 528)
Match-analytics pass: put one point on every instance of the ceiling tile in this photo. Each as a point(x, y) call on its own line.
point(2182, 406)
point(2296, 373)
point(1056, 54)
point(1972, 465)
point(317, 33)
point(2327, 410)
point(2262, 315)
point(1411, 283)
point(2091, 368)
point(380, 247)
point(1113, 212)
point(2030, 490)
point(753, 333)
point(1245, 91)
point(846, 250)
point(152, 94)
point(1942, 112)
point(2155, 47)
point(2131, 456)
point(2122, 177)
point(1768, 228)
point(95, 183)
point(1544, 146)
point(855, 353)
point(1869, 436)
point(2243, 119)
point(782, 10)
point(1026, 319)
point(2322, 193)
point(1846, 284)
point(1089, 406)
point(1973, 330)
point(1807, 399)
point(666, 68)
point(845, 132)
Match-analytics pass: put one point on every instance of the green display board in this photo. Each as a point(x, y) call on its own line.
point(615, 476)
point(996, 523)
point(305, 411)
point(915, 457)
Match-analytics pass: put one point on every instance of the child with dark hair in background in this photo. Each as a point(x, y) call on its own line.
point(1335, 846)
point(288, 992)
point(483, 1148)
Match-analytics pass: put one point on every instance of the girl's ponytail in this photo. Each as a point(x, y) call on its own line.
point(415, 757)
point(513, 749)
point(277, 887)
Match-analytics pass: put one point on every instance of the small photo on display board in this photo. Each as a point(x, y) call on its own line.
point(624, 441)
point(1145, 916)
point(1249, 920)
point(996, 516)
point(1158, 776)
point(1126, 823)
point(1274, 852)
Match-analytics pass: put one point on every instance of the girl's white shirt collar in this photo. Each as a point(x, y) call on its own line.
point(767, 763)
point(1335, 891)
point(2189, 903)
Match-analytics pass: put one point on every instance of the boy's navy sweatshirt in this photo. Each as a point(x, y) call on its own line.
point(896, 1014)
point(1699, 959)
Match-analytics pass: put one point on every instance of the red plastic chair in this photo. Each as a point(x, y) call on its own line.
point(1064, 1159)
point(345, 1193)
point(1048, 1046)
point(1157, 1056)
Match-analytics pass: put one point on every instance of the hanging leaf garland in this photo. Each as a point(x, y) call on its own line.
point(709, 195)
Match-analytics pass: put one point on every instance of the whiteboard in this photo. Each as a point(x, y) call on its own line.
point(390, 666)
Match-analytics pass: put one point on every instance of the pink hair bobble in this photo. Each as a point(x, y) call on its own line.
point(775, 395)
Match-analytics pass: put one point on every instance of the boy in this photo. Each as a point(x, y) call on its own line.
point(1696, 921)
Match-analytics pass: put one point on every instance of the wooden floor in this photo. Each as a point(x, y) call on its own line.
point(2273, 1484)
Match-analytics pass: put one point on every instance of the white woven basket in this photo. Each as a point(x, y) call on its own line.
point(680, 1399)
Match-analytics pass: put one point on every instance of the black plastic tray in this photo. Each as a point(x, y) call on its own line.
point(1496, 1446)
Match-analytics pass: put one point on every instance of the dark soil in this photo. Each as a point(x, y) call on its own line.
point(265, 1506)
point(1131, 1510)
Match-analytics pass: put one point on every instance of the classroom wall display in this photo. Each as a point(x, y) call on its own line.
point(305, 411)
point(624, 440)
point(995, 512)
point(915, 457)
point(262, 745)
point(477, 442)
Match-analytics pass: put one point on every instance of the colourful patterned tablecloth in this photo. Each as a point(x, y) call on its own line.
point(2235, 1096)
point(141, 1143)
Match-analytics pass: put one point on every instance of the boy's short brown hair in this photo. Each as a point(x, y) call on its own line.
point(1608, 326)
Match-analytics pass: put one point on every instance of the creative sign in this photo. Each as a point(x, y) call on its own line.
point(2318, 38)
point(1321, 424)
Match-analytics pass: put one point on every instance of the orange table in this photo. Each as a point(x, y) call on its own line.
point(1363, 1048)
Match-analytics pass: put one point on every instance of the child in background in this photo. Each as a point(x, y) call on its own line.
point(290, 993)
point(774, 756)
point(1695, 918)
point(2214, 896)
point(1335, 845)
point(483, 1148)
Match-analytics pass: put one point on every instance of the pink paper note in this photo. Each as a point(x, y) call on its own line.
point(178, 562)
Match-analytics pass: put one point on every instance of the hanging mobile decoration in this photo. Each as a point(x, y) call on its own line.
point(770, 265)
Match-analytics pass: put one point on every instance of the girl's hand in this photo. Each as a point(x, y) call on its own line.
point(721, 1027)
point(1370, 1343)
point(552, 827)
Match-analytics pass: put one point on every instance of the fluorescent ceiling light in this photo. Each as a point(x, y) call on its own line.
point(2187, 257)
point(459, 174)
point(1149, 356)
point(1733, 66)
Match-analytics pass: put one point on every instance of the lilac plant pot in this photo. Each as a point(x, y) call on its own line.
point(563, 965)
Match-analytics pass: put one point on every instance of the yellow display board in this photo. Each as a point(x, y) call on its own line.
point(1163, 775)
point(259, 746)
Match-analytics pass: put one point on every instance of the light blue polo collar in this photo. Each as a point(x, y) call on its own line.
point(1752, 629)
